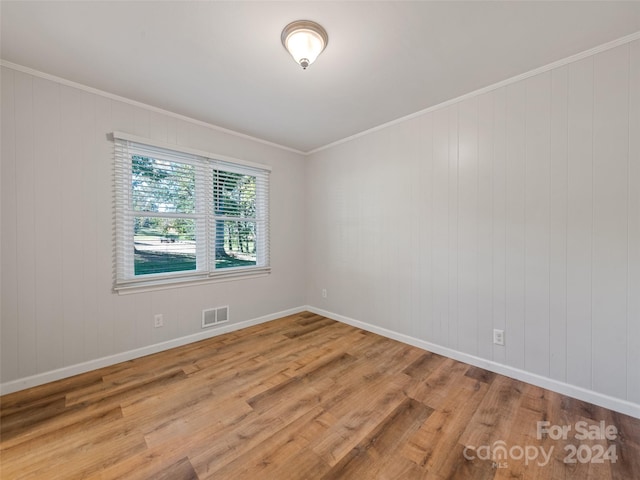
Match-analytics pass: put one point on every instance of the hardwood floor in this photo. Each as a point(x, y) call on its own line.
point(304, 397)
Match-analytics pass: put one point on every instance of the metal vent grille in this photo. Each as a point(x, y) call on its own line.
point(215, 316)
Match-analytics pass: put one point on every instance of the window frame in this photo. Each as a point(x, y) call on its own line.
point(125, 281)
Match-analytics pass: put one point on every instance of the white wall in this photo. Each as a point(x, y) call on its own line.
point(516, 209)
point(58, 309)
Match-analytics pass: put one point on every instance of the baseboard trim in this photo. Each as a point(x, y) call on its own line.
point(612, 403)
point(65, 372)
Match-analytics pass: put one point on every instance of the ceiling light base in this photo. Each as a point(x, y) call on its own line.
point(304, 40)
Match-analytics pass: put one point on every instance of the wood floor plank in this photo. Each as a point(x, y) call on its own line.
point(300, 397)
point(628, 446)
point(274, 453)
point(181, 470)
point(230, 444)
point(41, 395)
point(132, 386)
point(351, 428)
point(309, 328)
point(378, 453)
point(436, 446)
point(435, 389)
point(71, 454)
point(424, 366)
point(140, 466)
point(495, 413)
point(185, 424)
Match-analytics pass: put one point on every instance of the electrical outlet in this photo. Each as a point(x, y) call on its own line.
point(324, 293)
point(158, 320)
point(498, 336)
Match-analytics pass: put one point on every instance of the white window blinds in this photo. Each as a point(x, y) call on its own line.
point(184, 216)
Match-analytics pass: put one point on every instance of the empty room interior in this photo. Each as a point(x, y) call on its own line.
point(320, 240)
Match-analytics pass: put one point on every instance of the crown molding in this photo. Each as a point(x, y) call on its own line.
point(135, 103)
point(551, 66)
point(523, 76)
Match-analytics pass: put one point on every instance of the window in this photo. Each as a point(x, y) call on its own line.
point(187, 216)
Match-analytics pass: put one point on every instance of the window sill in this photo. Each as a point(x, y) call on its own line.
point(170, 283)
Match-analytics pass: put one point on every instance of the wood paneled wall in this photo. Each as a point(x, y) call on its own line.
point(58, 309)
point(516, 209)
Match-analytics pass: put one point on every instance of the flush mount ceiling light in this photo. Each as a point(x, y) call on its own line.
point(304, 40)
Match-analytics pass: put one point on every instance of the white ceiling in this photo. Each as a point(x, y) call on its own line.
point(223, 63)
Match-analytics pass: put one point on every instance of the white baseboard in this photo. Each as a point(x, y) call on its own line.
point(612, 403)
point(65, 372)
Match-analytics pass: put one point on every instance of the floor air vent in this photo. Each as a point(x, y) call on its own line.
point(215, 316)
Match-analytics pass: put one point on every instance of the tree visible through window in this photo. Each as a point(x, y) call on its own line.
point(167, 242)
point(182, 214)
point(234, 197)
